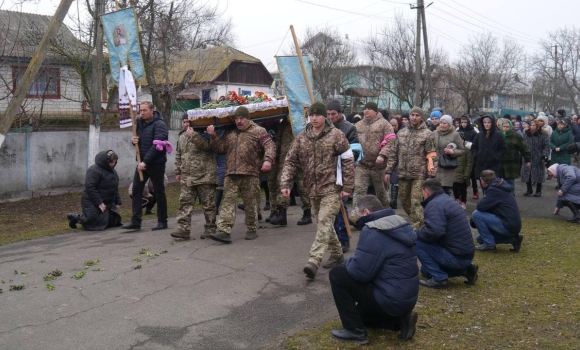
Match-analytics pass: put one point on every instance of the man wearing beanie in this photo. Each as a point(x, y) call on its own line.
point(372, 130)
point(196, 170)
point(241, 146)
point(334, 113)
point(317, 151)
point(413, 151)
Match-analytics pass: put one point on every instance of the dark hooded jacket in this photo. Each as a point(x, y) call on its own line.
point(385, 256)
point(500, 201)
point(447, 226)
point(468, 133)
point(149, 132)
point(488, 150)
point(101, 186)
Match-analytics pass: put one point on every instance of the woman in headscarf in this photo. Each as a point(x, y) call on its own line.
point(100, 200)
point(539, 146)
point(512, 159)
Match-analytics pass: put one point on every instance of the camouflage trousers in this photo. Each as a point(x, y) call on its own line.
point(325, 210)
point(248, 187)
point(411, 195)
point(363, 178)
point(276, 199)
point(187, 199)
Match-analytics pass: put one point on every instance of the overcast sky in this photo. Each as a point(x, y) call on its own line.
point(262, 27)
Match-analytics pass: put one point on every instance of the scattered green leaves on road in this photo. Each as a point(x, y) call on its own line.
point(137, 267)
point(92, 262)
point(79, 275)
point(17, 287)
point(50, 286)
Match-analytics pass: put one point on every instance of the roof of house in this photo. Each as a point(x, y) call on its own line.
point(23, 32)
point(204, 65)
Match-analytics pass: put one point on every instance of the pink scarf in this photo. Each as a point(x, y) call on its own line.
point(160, 145)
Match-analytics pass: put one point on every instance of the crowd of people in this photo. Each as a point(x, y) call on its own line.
point(426, 164)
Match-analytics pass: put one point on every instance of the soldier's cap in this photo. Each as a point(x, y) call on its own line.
point(184, 116)
point(317, 108)
point(418, 110)
point(372, 105)
point(242, 111)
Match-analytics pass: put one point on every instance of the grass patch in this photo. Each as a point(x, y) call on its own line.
point(528, 300)
point(46, 216)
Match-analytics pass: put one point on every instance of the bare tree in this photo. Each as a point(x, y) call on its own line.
point(332, 59)
point(560, 72)
point(485, 67)
point(393, 49)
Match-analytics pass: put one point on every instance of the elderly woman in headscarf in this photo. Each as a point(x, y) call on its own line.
point(539, 146)
point(100, 200)
point(569, 194)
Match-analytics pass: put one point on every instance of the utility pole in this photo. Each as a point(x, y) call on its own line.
point(96, 84)
point(427, 59)
point(418, 54)
point(33, 68)
point(555, 77)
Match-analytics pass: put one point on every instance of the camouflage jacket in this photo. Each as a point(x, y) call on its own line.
point(317, 156)
point(243, 149)
point(195, 160)
point(283, 140)
point(370, 135)
point(409, 151)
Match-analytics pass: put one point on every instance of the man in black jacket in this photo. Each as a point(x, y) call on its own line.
point(444, 245)
point(497, 217)
point(150, 128)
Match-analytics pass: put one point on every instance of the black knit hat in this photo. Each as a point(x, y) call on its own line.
point(372, 105)
point(334, 105)
point(242, 112)
point(317, 108)
point(184, 116)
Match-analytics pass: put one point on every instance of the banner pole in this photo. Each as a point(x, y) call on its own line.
point(135, 134)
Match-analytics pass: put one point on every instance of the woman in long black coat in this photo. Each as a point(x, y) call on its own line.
point(488, 147)
point(100, 199)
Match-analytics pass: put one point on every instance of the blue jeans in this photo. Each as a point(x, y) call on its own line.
point(339, 225)
point(437, 262)
point(490, 229)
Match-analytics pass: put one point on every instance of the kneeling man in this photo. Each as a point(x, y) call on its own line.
point(444, 245)
point(378, 286)
point(497, 217)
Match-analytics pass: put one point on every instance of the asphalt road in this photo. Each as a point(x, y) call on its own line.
point(198, 295)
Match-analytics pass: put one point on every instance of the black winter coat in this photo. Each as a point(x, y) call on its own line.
point(101, 186)
point(500, 201)
point(447, 226)
point(488, 151)
point(149, 132)
point(385, 256)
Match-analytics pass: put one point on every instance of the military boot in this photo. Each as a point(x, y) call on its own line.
point(207, 232)
point(333, 261)
point(273, 214)
point(180, 234)
point(280, 219)
point(306, 218)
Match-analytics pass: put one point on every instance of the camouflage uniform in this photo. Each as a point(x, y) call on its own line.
point(196, 163)
point(243, 163)
point(371, 133)
point(409, 151)
point(317, 156)
point(283, 140)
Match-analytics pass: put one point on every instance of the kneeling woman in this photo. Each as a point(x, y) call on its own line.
point(100, 200)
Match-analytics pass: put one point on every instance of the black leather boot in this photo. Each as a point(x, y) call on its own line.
point(538, 190)
point(530, 190)
point(280, 219)
point(73, 220)
point(306, 218)
point(357, 335)
point(394, 195)
point(273, 214)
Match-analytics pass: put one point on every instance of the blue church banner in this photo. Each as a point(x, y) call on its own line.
point(120, 29)
point(295, 89)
